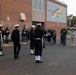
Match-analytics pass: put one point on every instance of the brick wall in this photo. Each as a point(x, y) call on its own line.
point(12, 9)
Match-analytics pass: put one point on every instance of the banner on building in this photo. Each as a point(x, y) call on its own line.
point(56, 12)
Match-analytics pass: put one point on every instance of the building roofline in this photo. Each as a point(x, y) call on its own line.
point(62, 2)
point(59, 2)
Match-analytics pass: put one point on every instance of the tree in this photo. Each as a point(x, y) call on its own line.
point(71, 20)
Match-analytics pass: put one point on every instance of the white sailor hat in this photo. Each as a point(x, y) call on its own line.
point(33, 26)
point(17, 25)
point(1, 25)
point(39, 24)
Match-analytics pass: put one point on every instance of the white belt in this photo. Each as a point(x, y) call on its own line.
point(38, 38)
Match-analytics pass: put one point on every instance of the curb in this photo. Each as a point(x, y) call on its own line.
point(11, 44)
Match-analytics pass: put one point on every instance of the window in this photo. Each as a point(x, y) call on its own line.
point(38, 4)
point(34, 4)
point(42, 5)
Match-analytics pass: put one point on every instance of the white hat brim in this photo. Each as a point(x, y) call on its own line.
point(17, 25)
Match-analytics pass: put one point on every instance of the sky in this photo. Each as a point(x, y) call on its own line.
point(71, 6)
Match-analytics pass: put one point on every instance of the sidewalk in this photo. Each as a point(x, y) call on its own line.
point(11, 44)
point(7, 45)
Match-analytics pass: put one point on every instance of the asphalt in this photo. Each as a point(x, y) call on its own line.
point(57, 60)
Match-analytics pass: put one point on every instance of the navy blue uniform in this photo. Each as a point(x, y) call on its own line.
point(1, 41)
point(32, 40)
point(38, 33)
point(16, 40)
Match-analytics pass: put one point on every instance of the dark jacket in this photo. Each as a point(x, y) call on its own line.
point(24, 32)
point(64, 31)
point(15, 37)
point(38, 33)
point(3, 32)
point(7, 32)
point(32, 34)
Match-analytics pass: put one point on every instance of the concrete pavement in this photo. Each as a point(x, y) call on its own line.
point(57, 60)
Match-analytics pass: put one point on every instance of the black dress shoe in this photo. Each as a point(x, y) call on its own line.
point(37, 61)
point(16, 57)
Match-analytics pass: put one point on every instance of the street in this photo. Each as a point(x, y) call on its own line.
point(57, 60)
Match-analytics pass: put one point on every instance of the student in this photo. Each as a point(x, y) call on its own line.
point(24, 35)
point(16, 40)
point(38, 33)
point(32, 39)
point(7, 32)
point(1, 41)
point(73, 38)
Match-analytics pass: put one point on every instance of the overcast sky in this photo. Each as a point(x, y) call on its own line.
point(71, 4)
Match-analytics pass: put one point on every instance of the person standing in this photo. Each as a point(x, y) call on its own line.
point(1, 41)
point(48, 36)
point(24, 35)
point(38, 33)
point(7, 32)
point(61, 35)
point(16, 40)
point(32, 42)
point(64, 32)
point(72, 38)
point(54, 37)
point(52, 31)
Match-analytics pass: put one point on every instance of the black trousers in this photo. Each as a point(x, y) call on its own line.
point(32, 44)
point(17, 47)
point(38, 47)
point(61, 40)
point(1, 46)
point(49, 38)
point(54, 40)
point(6, 39)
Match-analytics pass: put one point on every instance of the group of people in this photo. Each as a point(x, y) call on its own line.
point(36, 36)
point(3, 33)
point(63, 36)
point(36, 41)
point(4, 36)
point(50, 36)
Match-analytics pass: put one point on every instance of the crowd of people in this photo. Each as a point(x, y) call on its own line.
point(3, 33)
point(38, 37)
point(4, 36)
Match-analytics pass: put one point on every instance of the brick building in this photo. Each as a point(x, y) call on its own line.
point(51, 13)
